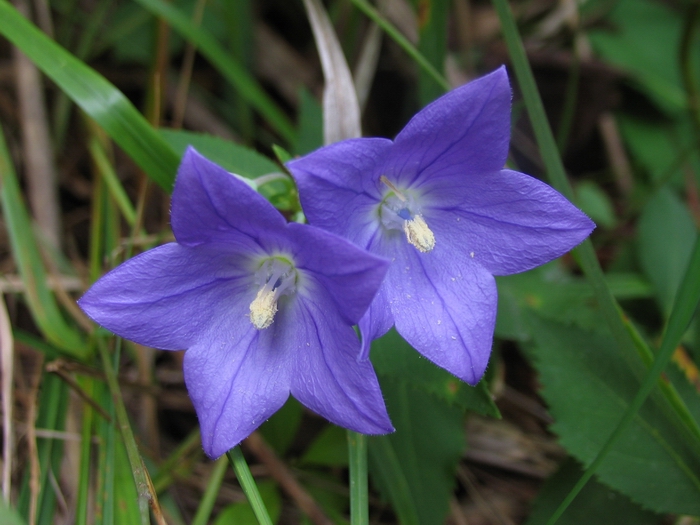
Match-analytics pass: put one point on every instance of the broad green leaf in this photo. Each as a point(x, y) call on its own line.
point(242, 513)
point(310, 133)
point(414, 467)
point(394, 358)
point(240, 160)
point(643, 38)
point(596, 204)
point(231, 156)
point(95, 95)
point(25, 251)
point(666, 235)
point(588, 388)
point(595, 504)
point(330, 448)
point(279, 431)
point(236, 74)
point(657, 147)
point(432, 43)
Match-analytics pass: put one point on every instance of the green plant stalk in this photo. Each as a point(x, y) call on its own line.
point(209, 497)
point(110, 177)
point(585, 252)
point(137, 467)
point(82, 497)
point(245, 478)
point(402, 41)
point(357, 459)
point(683, 312)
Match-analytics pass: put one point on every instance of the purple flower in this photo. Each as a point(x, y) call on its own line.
point(264, 308)
point(437, 202)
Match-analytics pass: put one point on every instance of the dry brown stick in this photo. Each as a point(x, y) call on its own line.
point(55, 367)
point(34, 469)
point(38, 153)
point(282, 475)
point(183, 85)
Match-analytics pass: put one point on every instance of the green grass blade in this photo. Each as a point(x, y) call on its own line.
point(110, 177)
point(95, 95)
point(402, 41)
point(137, 467)
point(206, 504)
point(245, 478)
point(247, 86)
point(25, 250)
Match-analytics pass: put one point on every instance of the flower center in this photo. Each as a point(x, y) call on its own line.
point(277, 277)
point(400, 212)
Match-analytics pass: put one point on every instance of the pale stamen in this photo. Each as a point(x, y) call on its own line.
point(263, 308)
point(279, 279)
point(419, 234)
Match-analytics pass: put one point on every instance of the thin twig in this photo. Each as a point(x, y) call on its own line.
point(7, 352)
point(38, 152)
point(186, 70)
point(34, 468)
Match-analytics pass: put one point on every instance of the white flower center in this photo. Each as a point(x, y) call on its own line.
point(400, 212)
point(278, 277)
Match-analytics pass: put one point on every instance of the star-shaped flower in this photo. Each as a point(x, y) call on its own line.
point(437, 202)
point(263, 307)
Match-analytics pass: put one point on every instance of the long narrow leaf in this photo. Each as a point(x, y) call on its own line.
point(95, 95)
point(246, 85)
point(26, 253)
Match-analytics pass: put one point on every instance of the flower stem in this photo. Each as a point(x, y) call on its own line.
point(245, 478)
point(357, 456)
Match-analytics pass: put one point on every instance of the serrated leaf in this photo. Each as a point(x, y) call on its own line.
point(414, 467)
point(556, 295)
point(395, 358)
point(588, 388)
point(595, 504)
point(666, 235)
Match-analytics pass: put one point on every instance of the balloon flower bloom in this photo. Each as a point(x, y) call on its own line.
point(438, 203)
point(264, 308)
